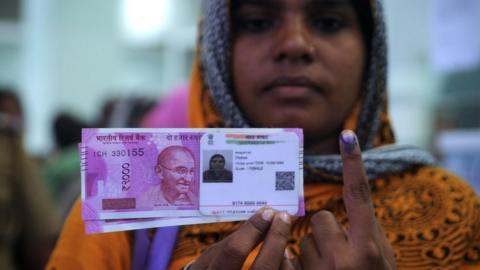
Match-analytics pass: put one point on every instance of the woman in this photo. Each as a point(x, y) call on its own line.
point(216, 172)
point(319, 65)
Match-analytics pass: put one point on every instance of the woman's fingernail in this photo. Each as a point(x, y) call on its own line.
point(349, 141)
point(288, 255)
point(285, 217)
point(267, 214)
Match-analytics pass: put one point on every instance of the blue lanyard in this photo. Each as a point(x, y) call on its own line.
point(154, 255)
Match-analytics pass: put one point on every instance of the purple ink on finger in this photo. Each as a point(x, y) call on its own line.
point(349, 141)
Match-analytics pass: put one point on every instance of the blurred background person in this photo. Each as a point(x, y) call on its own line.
point(10, 108)
point(169, 112)
point(61, 170)
point(28, 220)
point(124, 112)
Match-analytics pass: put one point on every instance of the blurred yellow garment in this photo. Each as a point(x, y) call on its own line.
point(29, 221)
point(77, 250)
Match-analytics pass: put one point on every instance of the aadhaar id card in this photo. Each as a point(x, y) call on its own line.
point(241, 173)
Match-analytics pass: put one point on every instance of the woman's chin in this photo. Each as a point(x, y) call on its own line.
point(295, 120)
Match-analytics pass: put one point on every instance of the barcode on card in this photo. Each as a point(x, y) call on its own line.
point(284, 180)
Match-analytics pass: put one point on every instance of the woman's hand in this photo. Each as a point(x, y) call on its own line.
point(231, 253)
point(363, 245)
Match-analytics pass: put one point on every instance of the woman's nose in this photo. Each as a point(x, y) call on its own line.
point(294, 43)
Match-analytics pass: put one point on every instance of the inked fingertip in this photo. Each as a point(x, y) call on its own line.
point(348, 141)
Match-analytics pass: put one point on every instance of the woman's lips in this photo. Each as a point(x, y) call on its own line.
point(291, 88)
point(291, 92)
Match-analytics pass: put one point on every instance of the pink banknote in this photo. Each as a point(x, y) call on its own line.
point(130, 174)
point(139, 174)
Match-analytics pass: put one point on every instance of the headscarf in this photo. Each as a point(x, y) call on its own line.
point(212, 103)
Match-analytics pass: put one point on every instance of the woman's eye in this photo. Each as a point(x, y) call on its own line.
point(254, 25)
point(328, 24)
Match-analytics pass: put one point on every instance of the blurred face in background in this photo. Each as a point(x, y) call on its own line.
point(297, 63)
point(11, 109)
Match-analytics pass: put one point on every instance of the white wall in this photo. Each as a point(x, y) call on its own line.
point(9, 65)
point(413, 86)
point(9, 53)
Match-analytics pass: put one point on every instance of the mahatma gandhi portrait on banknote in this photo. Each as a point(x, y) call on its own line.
point(176, 170)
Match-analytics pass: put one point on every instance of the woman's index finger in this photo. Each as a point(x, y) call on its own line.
point(356, 190)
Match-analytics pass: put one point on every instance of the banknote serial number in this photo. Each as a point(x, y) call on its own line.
point(134, 152)
point(125, 176)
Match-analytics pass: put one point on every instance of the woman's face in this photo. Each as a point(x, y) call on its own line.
point(217, 163)
point(297, 63)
